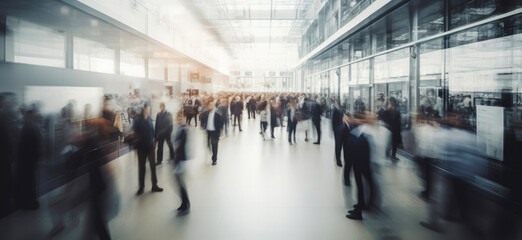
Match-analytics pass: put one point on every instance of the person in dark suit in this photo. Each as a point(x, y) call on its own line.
point(359, 151)
point(393, 121)
point(212, 121)
point(197, 104)
point(252, 107)
point(316, 118)
point(237, 110)
point(180, 156)
point(30, 139)
point(163, 131)
point(339, 130)
point(292, 120)
point(144, 132)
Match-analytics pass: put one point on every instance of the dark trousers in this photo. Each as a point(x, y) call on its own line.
point(189, 120)
point(272, 130)
point(361, 170)
point(263, 126)
point(339, 139)
point(213, 141)
point(317, 125)
point(161, 140)
point(426, 166)
point(196, 118)
point(347, 165)
point(185, 203)
point(252, 113)
point(291, 130)
point(142, 159)
point(238, 118)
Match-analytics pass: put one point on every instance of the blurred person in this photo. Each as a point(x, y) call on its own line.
point(163, 130)
point(196, 105)
point(358, 105)
point(223, 110)
point(348, 124)
point(28, 155)
point(6, 154)
point(237, 110)
point(303, 114)
point(212, 122)
point(263, 117)
point(316, 112)
point(292, 121)
point(393, 120)
point(189, 113)
point(273, 117)
point(251, 107)
point(180, 157)
point(144, 131)
point(339, 130)
point(359, 150)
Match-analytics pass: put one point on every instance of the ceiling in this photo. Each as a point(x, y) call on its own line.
point(260, 34)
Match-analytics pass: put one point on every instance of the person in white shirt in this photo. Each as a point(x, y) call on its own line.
point(212, 122)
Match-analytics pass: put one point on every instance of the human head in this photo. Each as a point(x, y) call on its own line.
point(162, 107)
point(146, 110)
point(211, 105)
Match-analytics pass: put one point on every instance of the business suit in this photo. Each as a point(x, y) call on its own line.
point(236, 111)
point(292, 124)
point(145, 145)
point(339, 130)
point(316, 119)
point(180, 139)
point(213, 132)
point(359, 151)
point(393, 120)
point(163, 132)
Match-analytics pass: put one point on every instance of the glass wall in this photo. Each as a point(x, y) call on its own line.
point(156, 69)
point(92, 56)
point(34, 44)
point(132, 64)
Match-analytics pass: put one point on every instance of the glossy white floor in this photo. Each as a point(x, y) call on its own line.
point(258, 190)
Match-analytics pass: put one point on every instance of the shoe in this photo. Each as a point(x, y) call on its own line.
point(214, 163)
point(355, 216)
point(183, 212)
point(157, 189)
point(431, 226)
point(158, 163)
point(394, 158)
point(240, 130)
point(424, 197)
point(183, 207)
point(306, 139)
point(273, 137)
point(140, 191)
point(317, 143)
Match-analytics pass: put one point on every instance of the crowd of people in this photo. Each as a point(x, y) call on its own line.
point(362, 139)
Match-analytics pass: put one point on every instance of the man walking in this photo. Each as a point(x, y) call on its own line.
point(163, 132)
point(145, 145)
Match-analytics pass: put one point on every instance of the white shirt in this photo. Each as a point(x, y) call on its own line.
point(210, 121)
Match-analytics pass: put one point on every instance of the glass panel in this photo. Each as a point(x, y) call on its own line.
point(33, 44)
point(351, 8)
point(392, 67)
point(360, 73)
point(430, 18)
point(399, 27)
point(93, 56)
point(483, 70)
point(464, 12)
point(132, 64)
point(344, 86)
point(360, 45)
point(431, 57)
point(157, 69)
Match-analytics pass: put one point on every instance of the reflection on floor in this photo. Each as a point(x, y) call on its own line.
point(258, 190)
